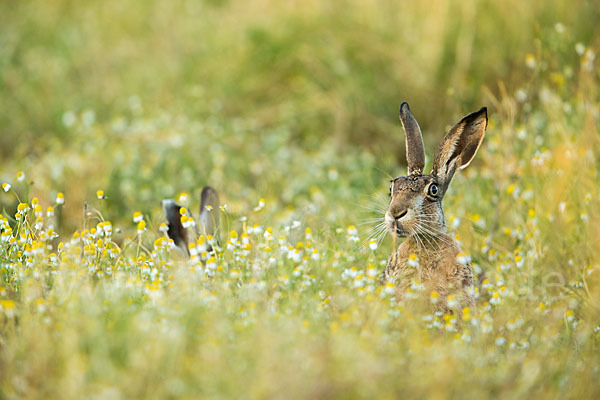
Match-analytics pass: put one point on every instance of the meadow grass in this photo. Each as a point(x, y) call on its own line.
point(290, 111)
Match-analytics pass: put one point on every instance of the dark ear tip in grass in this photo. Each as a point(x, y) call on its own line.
point(209, 196)
point(175, 231)
point(404, 106)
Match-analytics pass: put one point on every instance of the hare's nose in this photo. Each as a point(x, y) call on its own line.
point(399, 214)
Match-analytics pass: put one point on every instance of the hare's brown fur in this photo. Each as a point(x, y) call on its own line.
point(438, 270)
point(415, 213)
point(209, 220)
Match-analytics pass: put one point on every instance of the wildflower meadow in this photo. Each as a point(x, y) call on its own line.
point(290, 111)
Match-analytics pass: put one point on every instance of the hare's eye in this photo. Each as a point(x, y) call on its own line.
point(433, 190)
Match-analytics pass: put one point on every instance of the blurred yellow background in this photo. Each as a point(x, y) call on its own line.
point(293, 105)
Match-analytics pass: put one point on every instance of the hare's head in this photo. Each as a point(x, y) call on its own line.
point(416, 199)
point(209, 219)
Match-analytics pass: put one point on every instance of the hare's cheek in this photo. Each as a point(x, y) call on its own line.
point(409, 219)
point(389, 220)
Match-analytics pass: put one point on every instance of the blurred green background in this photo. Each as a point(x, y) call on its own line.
point(145, 99)
point(295, 102)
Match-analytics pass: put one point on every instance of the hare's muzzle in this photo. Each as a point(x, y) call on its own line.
point(396, 221)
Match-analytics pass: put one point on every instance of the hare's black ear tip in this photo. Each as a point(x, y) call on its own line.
point(404, 106)
point(483, 112)
point(209, 191)
point(476, 116)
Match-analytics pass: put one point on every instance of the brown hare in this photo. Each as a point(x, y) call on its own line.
point(429, 256)
point(208, 221)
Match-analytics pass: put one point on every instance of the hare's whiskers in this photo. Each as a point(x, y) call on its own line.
point(439, 236)
point(418, 241)
point(376, 227)
point(424, 236)
point(376, 233)
point(370, 221)
point(375, 230)
point(427, 238)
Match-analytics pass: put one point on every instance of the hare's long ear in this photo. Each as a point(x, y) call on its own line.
point(176, 230)
point(209, 211)
point(415, 150)
point(459, 147)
